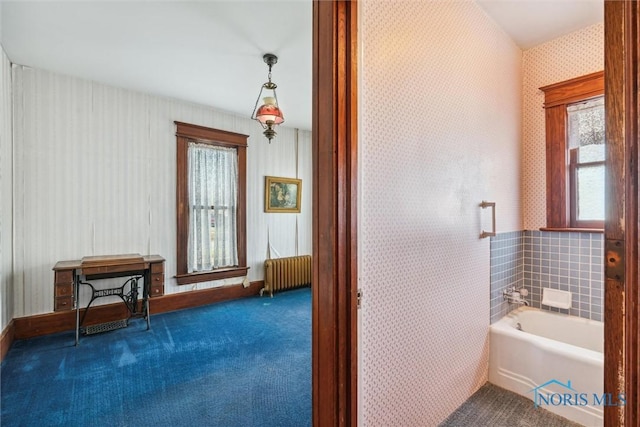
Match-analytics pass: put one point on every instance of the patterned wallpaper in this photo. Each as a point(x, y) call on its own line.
point(6, 184)
point(102, 161)
point(573, 55)
point(440, 132)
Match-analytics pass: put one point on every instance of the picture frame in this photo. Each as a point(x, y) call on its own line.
point(282, 195)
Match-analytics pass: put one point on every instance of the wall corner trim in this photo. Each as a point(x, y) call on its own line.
point(6, 340)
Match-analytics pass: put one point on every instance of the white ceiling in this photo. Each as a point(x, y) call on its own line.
point(210, 52)
point(532, 22)
point(204, 52)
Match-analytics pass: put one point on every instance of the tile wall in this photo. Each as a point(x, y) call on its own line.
point(539, 259)
point(507, 269)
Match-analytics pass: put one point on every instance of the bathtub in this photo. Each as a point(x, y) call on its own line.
point(540, 360)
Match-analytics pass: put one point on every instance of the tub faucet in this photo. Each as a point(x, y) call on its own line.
point(515, 297)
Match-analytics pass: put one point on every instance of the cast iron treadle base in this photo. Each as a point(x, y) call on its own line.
point(105, 327)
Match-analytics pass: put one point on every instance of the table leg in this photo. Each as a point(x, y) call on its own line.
point(76, 300)
point(148, 314)
point(145, 296)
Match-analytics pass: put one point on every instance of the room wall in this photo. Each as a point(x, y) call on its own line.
point(573, 55)
point(440, 119)
point(567, 261)
point(95, 173)
point(6, 191)
point(536, 260)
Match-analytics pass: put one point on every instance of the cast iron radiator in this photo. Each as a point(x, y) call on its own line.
point(286, 273)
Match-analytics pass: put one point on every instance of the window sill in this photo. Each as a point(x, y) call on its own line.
point(574, 230)
point(208, 276)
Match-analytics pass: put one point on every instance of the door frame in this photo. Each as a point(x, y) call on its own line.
point(334, 347)
point(621, 357)
point(334, 129)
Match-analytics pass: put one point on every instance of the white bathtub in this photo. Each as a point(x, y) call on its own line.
point(550, 347)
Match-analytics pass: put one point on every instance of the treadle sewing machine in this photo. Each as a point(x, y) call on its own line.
point(69, 275)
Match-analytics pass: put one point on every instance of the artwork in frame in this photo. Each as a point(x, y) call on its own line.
point(282, 194)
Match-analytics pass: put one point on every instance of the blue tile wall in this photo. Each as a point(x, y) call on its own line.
point(507, 269)
point(540, 259)
point(570, 262)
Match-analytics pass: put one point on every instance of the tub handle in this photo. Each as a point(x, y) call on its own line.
point(491, 205)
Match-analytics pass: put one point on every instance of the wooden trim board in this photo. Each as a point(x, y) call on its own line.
point(50, 323)
point(335, 95)
point(8, 335)
point(621, 295)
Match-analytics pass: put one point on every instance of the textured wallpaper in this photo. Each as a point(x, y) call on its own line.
point(6, 184)
point(440, 132)
point(95, 173)
point(573, 55)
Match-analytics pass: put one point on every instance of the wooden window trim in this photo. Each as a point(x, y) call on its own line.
point(573, 230)
point(574, 90)
point(184, 134)
point(557, 97)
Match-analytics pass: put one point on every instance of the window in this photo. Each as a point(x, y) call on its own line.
point(211, 195)
point(585, 140)
point(574, 116)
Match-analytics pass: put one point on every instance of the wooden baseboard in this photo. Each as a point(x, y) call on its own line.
point(7, 338)
point(60, 321)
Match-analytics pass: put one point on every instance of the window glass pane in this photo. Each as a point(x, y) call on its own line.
point(590, 187)
point(591, 153)
point(586, 129)
point(213, 180)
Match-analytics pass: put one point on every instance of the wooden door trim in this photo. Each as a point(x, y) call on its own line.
point(621, 356)
point(334, 344)
point(632, 217)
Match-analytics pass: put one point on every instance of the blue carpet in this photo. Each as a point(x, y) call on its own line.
point(239, 363)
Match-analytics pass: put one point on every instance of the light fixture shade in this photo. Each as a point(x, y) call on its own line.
point(268, 114)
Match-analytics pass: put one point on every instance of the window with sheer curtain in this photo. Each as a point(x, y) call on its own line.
point(211, 199)
point(213, 182)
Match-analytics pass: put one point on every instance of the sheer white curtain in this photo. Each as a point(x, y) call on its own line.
point(213, 195)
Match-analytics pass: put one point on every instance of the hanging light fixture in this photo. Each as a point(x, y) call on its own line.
point(268, 114)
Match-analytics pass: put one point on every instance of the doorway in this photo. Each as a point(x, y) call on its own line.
point(335, 232)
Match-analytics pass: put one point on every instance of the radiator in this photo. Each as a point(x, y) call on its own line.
point(286, 273)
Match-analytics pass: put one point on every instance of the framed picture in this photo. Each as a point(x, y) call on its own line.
point(282, 194)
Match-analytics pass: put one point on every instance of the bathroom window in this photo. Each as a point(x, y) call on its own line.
point(211, 198)
point(585, 138)
point(574, 117)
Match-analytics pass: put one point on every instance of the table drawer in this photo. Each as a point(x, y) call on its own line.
point(63, 303)
point(157, 279)
point(64, 277)
point(157, 267)
point(65, 290)
point(156, 291)
point(111, 270)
